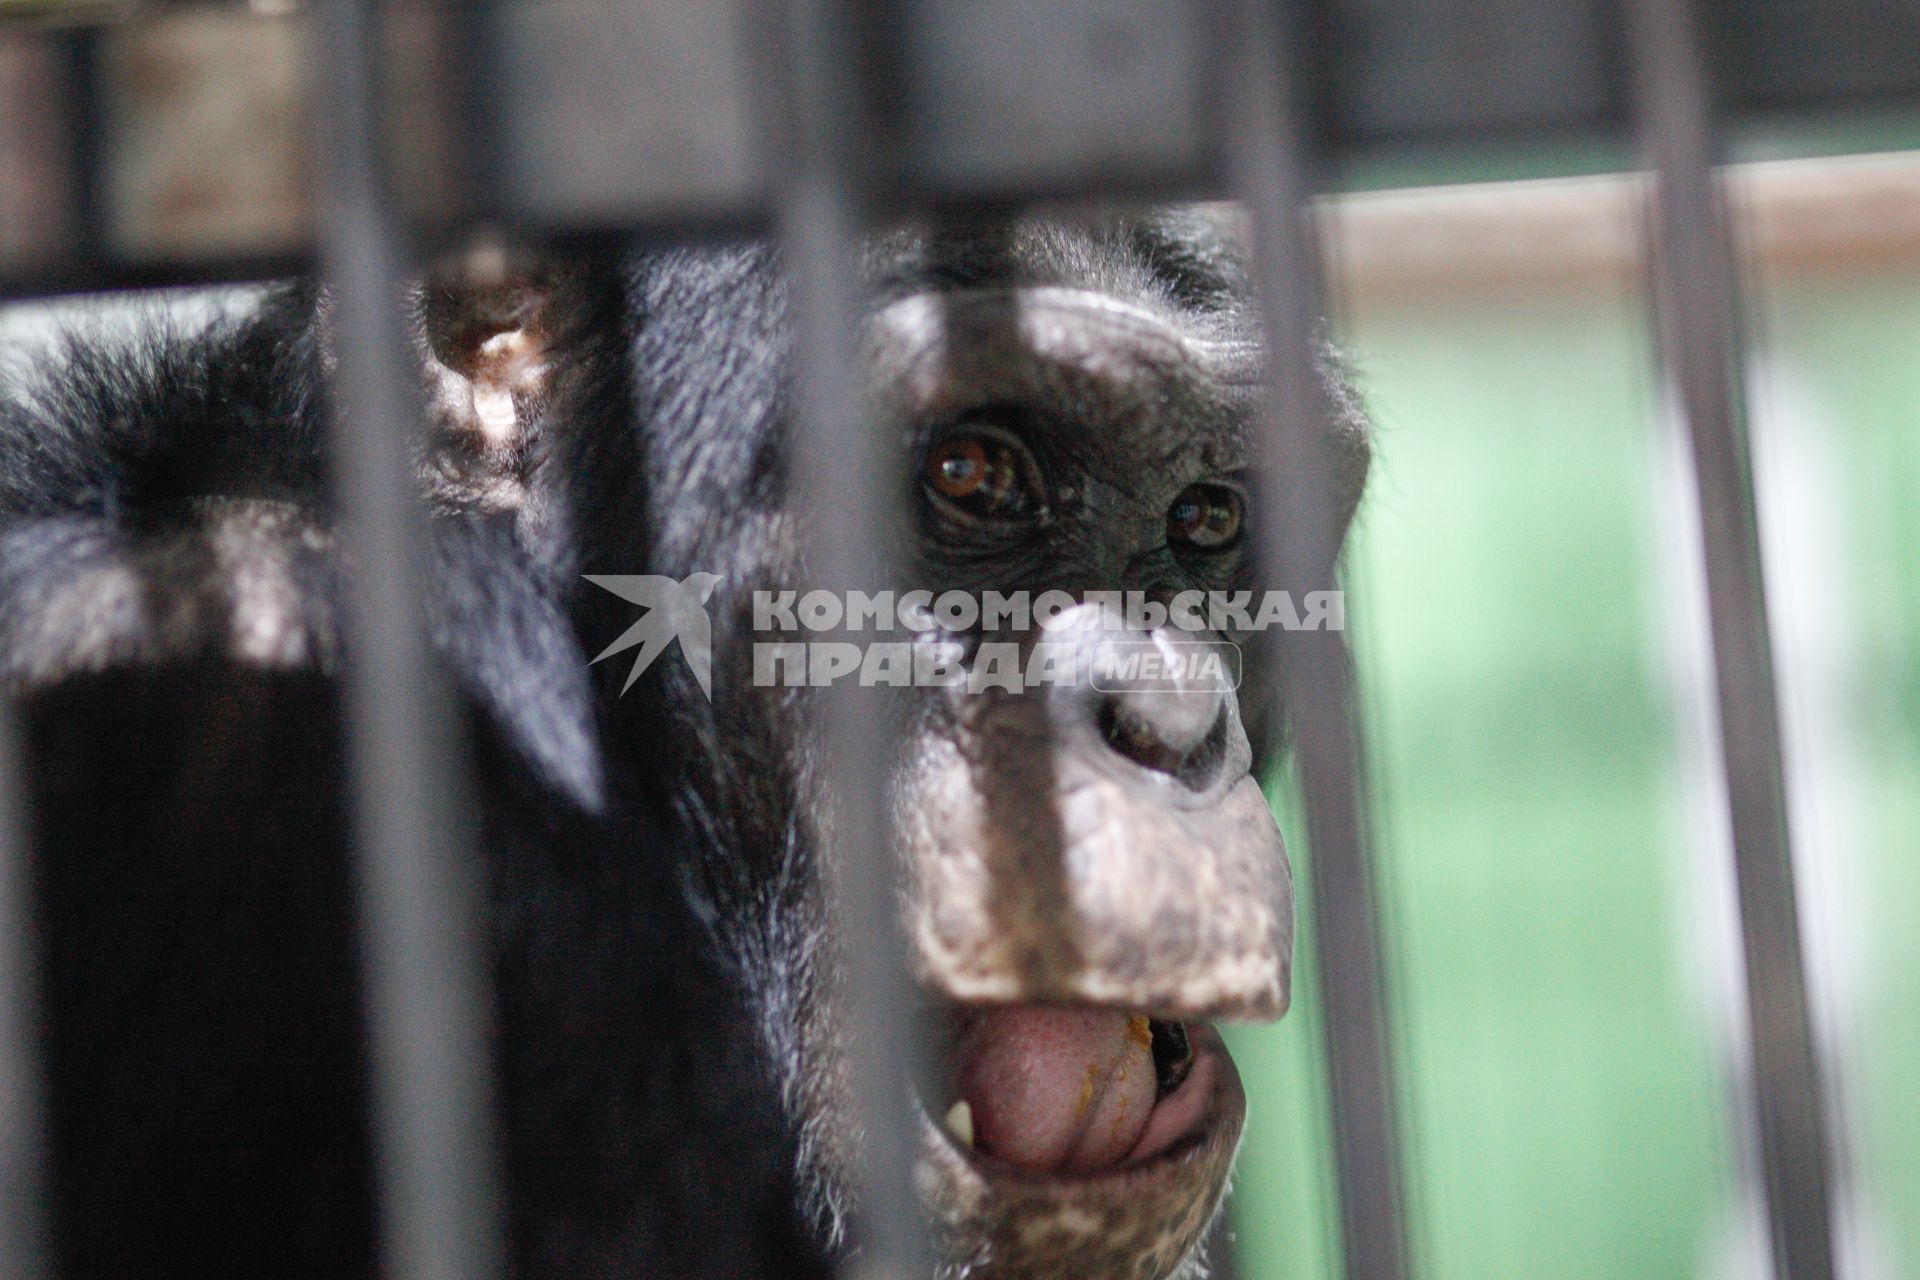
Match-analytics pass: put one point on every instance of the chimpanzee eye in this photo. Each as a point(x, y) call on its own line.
point(986, 475)
point(1205, 517)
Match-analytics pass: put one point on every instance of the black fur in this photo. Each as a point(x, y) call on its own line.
point(207, 1063)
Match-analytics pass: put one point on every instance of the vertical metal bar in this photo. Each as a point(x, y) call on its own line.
point(470, 39)
point(1695, 300)
point(1297, 487)
point(86, 139)
point(25, 1244)
point(41, 201)
point(848, 474)
point(418, 869)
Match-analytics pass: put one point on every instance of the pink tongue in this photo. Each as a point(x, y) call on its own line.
point(1057, 1089)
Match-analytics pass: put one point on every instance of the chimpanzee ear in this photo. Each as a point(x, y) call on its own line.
point(486, 319)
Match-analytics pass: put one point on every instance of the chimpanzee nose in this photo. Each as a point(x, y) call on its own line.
point(1152, 704)
point(1181, 732)
point(1086, 802)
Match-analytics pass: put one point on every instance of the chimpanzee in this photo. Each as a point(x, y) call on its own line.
point(1090, 876)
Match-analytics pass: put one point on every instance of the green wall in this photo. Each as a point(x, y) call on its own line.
point(1562, 1069)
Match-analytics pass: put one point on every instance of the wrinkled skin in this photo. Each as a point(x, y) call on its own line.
point(1048, 859)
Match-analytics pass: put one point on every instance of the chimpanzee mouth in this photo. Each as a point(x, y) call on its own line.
point(1076, 1140)
point(1071, 1094)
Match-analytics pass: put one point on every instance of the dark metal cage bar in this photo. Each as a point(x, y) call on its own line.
point(418, 871)
point(883, 108)
point(1695, 301)
point(826, 186)
point(1267, 153)
point(24, 1241)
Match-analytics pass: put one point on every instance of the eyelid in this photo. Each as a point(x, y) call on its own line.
point(990, 422)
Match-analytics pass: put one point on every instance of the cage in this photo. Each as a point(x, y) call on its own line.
point(1393, 162)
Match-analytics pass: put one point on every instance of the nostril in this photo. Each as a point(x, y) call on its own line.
point(1202, 764)
point(1134, 740)
point(1194, 762)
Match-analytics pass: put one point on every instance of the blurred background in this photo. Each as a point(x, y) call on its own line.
point(1529, 618)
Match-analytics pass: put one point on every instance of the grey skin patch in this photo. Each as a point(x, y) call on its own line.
point(239, 578)
point(1047, 863)
point(265, 554)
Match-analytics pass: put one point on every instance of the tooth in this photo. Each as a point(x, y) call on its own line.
point(960, 1122)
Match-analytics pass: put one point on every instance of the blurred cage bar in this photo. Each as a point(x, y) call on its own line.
point(147, 144)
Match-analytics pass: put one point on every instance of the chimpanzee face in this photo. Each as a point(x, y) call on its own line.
point(1092, 873)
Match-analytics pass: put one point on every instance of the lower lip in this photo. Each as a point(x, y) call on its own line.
point(1204, 1110)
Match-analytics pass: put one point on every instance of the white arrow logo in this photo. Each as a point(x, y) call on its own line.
point(675, 611)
